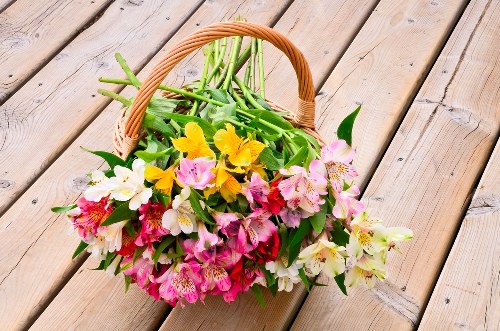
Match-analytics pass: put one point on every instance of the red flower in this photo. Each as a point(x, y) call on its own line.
point(267, 251)
point(275, 200)
point(128, 244)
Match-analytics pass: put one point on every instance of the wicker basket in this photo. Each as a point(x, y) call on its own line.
point(128, 129)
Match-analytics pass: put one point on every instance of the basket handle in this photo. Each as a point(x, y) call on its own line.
point(126, 137)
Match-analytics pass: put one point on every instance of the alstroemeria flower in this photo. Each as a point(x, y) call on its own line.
point(164, 178)
point(365, 270)
point(151, 223)
point(304, 189)
point(224, 219)
point(98, 187)
point(337, 157)
point(286, 276)
point(241, 152)
point(291, 218)
point(142, 270)
point(275, 201)
point(206, 239)
point(242, 279)
point(89, 216)
point(224, 182)
point(245, 235)
point(324, 256)
point(181, 217)
point(346, 204)
point(181, 281)
point(215, 276)
point(196, 173)
point(129, 185)
point(194, 144)
point(256, 190)
point(108, 239)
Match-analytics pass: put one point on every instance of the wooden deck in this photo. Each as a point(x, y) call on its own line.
point(427, 74)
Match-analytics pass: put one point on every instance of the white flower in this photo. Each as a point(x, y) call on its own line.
point(108, 239)
point(162, 259)
point(180, 218)
point(98, 188)
point(110, 270)
point(324, 256)
point(365, 270)
point(286, 276)
point(129, 185)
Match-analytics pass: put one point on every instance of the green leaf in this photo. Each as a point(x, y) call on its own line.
point(208, 129)
point(258, 294)
point(223, 113)
point(200, 212)
point(63, 209)
point(298, 158)
point(219, 95)
point(112, 159)
point(81, 247)
point(163, 198)
point(339, 279)
point(339, 236)
point(270, 160)
point(155, 123)
point(109, 258)
point(149, 156)
point(344, 130)
point(128, 281)
point(318, 219)
point(129, 227)
point(271, 117)
point(164, 244)
point(283, 232)
point(308, 137)
point(295, 242)
point(160, 105)
point(304, 278)
point(121, 213)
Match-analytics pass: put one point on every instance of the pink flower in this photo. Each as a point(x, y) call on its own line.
point(256, 190)
point(179, 282)
point(304, 189)
point(337, 158)
point(215, 277)
point(224, 219)
point(245, 235)
point(91, 215)
point(142, 271)
point(291, 217)
point(196, 173)
point(242, 278)
point(206, 239)
point(346, 205)
point(151, 223)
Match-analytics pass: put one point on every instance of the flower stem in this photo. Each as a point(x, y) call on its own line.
point(203, 80)
point(238, 99)
point(235, 49)
point(216, 69)
point(261, 69)
point(247, 94)
point(131, 76)
point(126, 102)
point(252, 59)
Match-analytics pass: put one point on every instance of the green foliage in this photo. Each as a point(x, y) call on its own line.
point(318, 219)
point(112, 159)
point(121, 213)
point(344, 130)
point(81, 247)
point(63, 209)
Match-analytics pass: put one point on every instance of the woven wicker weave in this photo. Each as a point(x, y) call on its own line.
point(127, 129)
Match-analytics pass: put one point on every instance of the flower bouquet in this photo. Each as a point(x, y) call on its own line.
point(215, 190)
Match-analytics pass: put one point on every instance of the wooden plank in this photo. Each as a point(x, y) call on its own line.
point(46, 114)
point(76, 305)
point(22, 293)
point(425, 179)
point(31, 32)
point(467, 294)
point(5, 3)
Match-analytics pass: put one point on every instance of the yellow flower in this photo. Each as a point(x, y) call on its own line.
point(194, 144)
point(258, 168)
point(241, 152)
point(225, 183)
point(165, 178)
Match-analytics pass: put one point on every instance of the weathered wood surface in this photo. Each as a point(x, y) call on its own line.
point(67, 83)
point(4, 4)
point(280, 310)
point(425, 179)
point(35, 122)
point(73, 306)
point(32, 32)
point(467, 294)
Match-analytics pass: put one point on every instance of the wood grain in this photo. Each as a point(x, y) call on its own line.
point(32, 32)
point(61, 184)
point(5, 3)
point(28, 229)
point(425, 179)
point(467, 294)
point(50, 110)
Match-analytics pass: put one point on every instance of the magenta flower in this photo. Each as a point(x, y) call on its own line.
point(215, 278)
point(304, 189)
point(291, 217)
point(224, 219)
point(89, 215)
point(196, 173)
point(256, 190)
point(151, 223)
point(245, 235)
point(179, 282)
point(142, 271)
point(337, 158)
